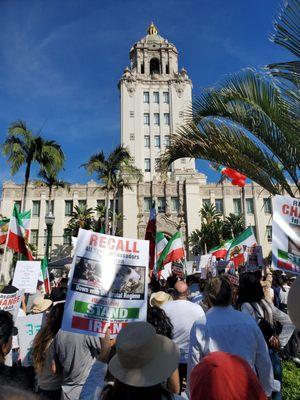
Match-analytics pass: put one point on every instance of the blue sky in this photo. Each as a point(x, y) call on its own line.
point(60, 61)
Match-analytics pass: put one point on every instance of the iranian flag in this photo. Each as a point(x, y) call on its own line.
point(25, 216)
point(221, 250)
point(150, 235)
point(17, 235)
point(160, 244)
point(4, 226)
point(235, 252)
point(45, 274)
point(173, 251)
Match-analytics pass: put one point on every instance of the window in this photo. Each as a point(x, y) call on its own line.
point(18, 205)
point(269, 233)
point(147, 141)
point(237, 206)
point(67, 237)
point(147, 204)
point(167, 69)
point(174, 204)
point(146, 97)
point(34, 237)
point(142, 68)
point(268, 205)
point(167, 140)
point(219, 205)
point(131, 136)
point(147, 165)
point(156, 118)
point(157, 164)
point(47, 206)
point(36, 206)
point(68, 207)
point(146, 119)
point(206, 202)
point(81, 203)
point(166, 97)
point(131, 114)
point(154, 66)
point(156, 97)
point(250, 206)
point(167, 118)
point(161, 204)
point(157, 141)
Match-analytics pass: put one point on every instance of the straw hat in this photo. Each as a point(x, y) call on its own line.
point(40, 305)
point(143, 357)
point(159, 298)
point(293, 303)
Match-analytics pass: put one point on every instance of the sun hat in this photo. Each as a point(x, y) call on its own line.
point(143, 358)
point(159, 298)
point(40, 305)
point(224, 376)
point(293, 303)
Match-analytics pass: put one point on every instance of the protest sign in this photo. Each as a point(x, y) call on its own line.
point(286, 234)
point(26, 275)
point(253, 258)
point(28, 328)
point(107, 285)
point(204, 266)
point(11, 302)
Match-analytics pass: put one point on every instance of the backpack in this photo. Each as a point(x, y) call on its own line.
point(265, 326)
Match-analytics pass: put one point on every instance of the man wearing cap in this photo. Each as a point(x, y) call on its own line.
point(234, 332)
point(182, 314)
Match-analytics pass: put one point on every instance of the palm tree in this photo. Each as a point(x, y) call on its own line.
point(233, 226)
point(209, 213)
point(50, 179)
point(23, 147)
point(99, 222)
point(251, 122)
point(81, 217)
point(108, 170)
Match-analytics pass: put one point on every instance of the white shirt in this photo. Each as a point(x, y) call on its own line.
point(226, 329)
point(183, 314)
point(284, 295)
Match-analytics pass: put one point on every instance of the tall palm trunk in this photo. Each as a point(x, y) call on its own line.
point(27, 175)
point(50, 211)
point(107, 212)
point(114, 213)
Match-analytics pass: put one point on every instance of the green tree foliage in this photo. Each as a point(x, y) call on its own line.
point(22, 147)
point(233, 226)
point(81, 217)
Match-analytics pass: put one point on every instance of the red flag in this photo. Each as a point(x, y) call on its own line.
point(150, 235)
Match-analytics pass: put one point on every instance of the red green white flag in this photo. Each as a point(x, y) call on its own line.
point(45, 274)
point(221, 250)
point(18, 234)
point(235, 252)
point(173, 251)
point(160, 243)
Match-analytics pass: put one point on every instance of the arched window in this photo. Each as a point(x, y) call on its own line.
point(154, 66)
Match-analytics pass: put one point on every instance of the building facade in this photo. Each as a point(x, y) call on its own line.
point(154, 99)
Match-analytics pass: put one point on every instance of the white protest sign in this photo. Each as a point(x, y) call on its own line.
point(11, 302)
point(26, 275)
point(28, 328)
point(107, 285)
point(286, 234)
point(204, 265)
point(253, 258)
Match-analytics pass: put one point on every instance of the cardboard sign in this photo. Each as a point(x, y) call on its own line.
point(286, 234)
point(107, 285)
point(28, 328)
point(253, 258)
point(26, 275)
point(11, 302)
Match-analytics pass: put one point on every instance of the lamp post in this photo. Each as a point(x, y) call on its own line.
point(49, 220)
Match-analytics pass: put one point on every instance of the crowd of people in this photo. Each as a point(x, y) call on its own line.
point(212, 339)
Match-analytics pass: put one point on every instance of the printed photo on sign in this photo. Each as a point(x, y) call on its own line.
point(115, 280)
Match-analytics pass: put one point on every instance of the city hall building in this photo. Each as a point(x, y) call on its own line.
point(154, 95)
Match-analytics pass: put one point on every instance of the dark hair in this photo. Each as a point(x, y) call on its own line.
point(250, 289)
point(44, 337)
point(9, 289)
point(218, 291)
point(121, 391)
point(6, 331)
point(160, 321)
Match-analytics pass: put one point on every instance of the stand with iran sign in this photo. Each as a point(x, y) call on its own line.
point(107, 285)
point(286, 234)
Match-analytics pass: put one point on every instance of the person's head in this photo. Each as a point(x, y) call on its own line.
point(191, 279)
point(9, 289)
point(181, 290)
point(40, 305)
point(46, 334)
point(7, 331)
point(250, 289)
point(143, 361)
point(159, 298)
point(160, 321)
point(223, 376)
point(218, 292)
